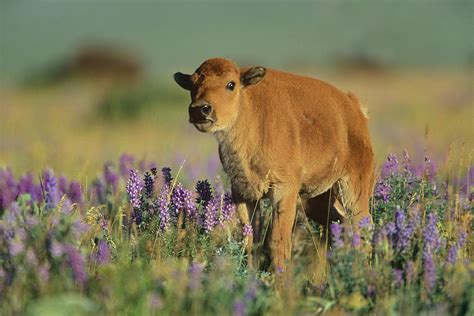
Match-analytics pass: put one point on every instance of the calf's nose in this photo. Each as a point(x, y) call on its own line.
point(199, 112)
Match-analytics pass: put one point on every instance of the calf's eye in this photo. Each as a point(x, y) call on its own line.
point(230, 85)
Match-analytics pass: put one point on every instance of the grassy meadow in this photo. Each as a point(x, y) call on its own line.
point(93, 221)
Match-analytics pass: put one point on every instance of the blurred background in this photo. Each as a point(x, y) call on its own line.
point(82, 82)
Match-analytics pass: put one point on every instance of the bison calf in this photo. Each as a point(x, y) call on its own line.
point(284, 137)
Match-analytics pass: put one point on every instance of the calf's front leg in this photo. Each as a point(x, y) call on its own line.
point(284, 213)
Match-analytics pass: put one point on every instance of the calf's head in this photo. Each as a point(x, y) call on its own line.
point(217, 89)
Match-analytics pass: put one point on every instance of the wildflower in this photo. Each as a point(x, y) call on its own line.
point(126, 162)
point(27, 185)
point(398, 277)
point(79, 228)
point(429, 268)
point(247, 230)
point(98, 190)
point(62, 185)
point(195, 275)
point(228, 208)
point(336, 231)
point(431, 243)
point(383, 190)
point(102, 254)
point(402, 235)
point(149, 183)
point(182, 200)
point(56, 249)
point(50, 189)
point(111, 178)
point(390, 167)
point(76, 261)
point(166, 172)
point(356, 240)
point(239, 307)
point(210, 215)
point(203, 188)
point(8, 188)
point(431, 237)
point(75, 193)
point(365, 223)
point(134, 189)
point(454, 249)
point(163, 206)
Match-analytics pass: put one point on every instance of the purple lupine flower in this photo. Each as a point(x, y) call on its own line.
point(431, 243)
point(402, 235)
point(211, 215)
point(62, 185)
point(228, 208)
point(50, 189)
point(111, 178)
point(365, 223)
point(134, 189)
point(203, 188)
point(66, 206)
point(149, 184)
point(247, 230)
point(383, 190)
point(79, 228)
point(27, 185)
point(76, 261)
point(12, 214)
point(239, 308)
point(454, 249)
point(166, 171)
point(431, 237)
point(98, 191)
point(390, 230)
point(8, 188)
point(336, 231)
point(195, 275)
point(163, 205)
point(75, 193)
point(398, 277)
point(390, 167)
point(182, 199)
point(356, 242)
point(429, 268)
point(56, 249)
point(102, 255)
point(126, 162)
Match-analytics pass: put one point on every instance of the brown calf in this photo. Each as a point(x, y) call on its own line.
point(284, 136)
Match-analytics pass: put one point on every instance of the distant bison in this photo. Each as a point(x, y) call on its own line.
point(284, 136)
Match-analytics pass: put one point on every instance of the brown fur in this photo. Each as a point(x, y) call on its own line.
point(286, 136)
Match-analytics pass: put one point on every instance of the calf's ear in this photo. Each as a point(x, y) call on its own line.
point(183, 80)
point(252, 76)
